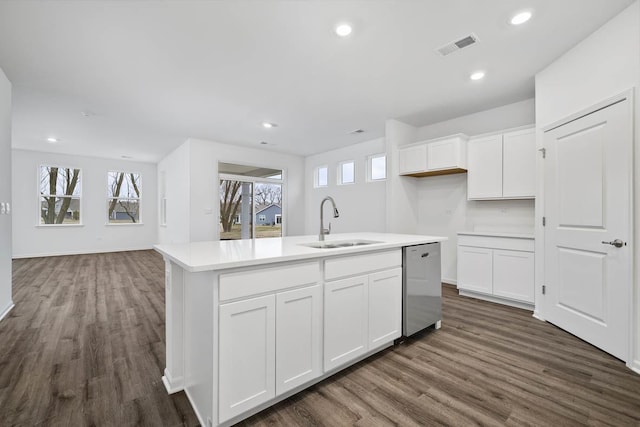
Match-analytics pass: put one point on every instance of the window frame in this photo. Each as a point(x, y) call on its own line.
point(41, 196)
point(340, 172)
point(370, 167)
point(139, 199)
point(316, 176)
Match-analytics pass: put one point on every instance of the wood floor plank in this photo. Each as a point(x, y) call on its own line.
point(84, 346)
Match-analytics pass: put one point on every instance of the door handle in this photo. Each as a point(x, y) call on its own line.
point(424, 255)
point(617, 243)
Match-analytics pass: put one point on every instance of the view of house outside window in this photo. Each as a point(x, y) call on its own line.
point(123, 197)
point(60, 194)
point(250, 202)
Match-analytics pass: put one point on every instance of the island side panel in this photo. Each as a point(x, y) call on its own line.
point(173, 378)
point(200, 326)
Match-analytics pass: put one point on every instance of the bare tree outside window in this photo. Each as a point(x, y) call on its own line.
point(59, 195)
point(230, 200)
point(123, 197)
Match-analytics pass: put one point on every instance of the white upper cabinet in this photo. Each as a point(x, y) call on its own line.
point(502, 166)
point(413, 159)
point(484, 179)
point(434, 157)
point(519, 166)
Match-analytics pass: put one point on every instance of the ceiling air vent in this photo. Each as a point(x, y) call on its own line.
point(457, 45)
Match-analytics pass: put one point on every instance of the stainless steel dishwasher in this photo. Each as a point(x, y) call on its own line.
point(421, 288)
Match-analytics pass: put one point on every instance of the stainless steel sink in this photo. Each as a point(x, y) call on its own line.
point(339, 244)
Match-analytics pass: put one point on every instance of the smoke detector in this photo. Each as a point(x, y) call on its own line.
point(456, 45)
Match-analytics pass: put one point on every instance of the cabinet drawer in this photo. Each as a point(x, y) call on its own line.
point(359, 264)
point(264, 280)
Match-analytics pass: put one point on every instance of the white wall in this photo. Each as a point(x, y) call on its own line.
point(512, 115)
point(601, 66)
point(175, 167)
point(31, 240)
point(5, 195)
point(402, 208)
point(194, 166)
point(362, 205)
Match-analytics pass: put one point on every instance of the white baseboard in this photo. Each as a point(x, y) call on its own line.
point(634, 365)
point(173, 385)
point(537, 315)
point(7, 310)
point(450, 281)
point(498, 300)
point(81, 252)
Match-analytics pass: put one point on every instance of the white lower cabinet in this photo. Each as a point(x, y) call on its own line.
point(497, 265)
point(247, 355)
point(475, 268)
point(513, 273)
point(361, 313)
point(385, 307)
point(298, 337)
point(346, 314)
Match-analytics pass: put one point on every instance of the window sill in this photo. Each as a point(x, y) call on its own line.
point(124, 224)
point(58, 225)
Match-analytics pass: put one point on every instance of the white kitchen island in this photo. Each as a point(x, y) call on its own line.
point(251, 322)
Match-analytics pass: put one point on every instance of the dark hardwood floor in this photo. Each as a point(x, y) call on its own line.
point(84, 346)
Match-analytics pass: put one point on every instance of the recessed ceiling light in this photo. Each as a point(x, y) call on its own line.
point(52, 139)
point(478, 75)
point(263, 142)
point(343, 30)
point(269, 125)
point(520, 18)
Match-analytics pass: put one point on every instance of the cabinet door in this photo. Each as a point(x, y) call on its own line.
point(513, 275)
point(345, 320)
point(484, 163)
point(475, 269)
point(412, 159)
point(298, 337)
point(519, 164)
point(444, 154)
point(246, 355)
point(385, 307)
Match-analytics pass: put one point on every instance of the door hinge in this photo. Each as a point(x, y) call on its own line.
point(544, 152)
point(544, 289)
point(544, 221)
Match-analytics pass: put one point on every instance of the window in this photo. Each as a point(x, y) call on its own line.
point(251, 201)
point(377, 167)
point(60, 191)
point(123, 197)
point(346, 173)
point(320, 176)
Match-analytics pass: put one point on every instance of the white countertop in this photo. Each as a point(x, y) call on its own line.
point(220, 255)
point(497, 234)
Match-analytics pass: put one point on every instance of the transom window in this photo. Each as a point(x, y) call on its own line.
point(320, 176)
point(346, 172)
point(60, 194)
point(377, 167)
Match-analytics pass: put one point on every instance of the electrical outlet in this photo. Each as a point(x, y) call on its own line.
point(7, 208)
point(3, 208)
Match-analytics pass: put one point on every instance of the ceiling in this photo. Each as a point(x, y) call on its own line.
point(136, 78)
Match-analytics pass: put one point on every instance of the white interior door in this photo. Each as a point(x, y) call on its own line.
point(587, 185)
